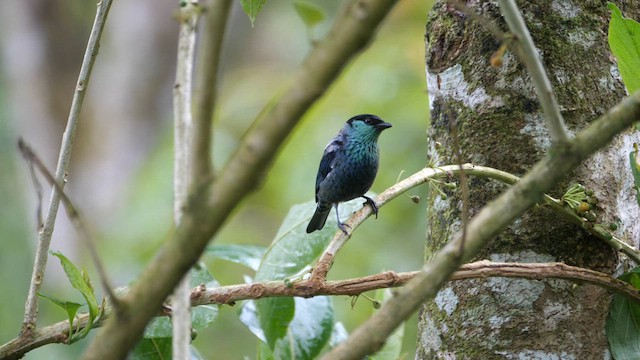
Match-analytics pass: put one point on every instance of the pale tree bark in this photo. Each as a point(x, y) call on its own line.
point(500, 124)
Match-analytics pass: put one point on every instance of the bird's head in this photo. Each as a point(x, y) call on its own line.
point(366, 126)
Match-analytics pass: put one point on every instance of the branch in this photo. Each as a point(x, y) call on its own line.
point(544, 90)
point(214, 22)
point(323, 266)
point(488, 223)
point(183, 166)
point(211, 203)
point(58, 332)
point(75, 218)
point(44, 240)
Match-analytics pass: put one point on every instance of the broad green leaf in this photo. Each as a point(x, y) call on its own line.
point(152, 349)
point(69, 307)
point(245, 254)
point(80, 282)
point(275, 315)
point(292, 251)
point(264, 353)
point(248, 315)
point(252, 8)
point(311, 14)
point(624, 41)
point(623, 323)
point(309, 331)
point(635, 171)
point(201, 316)
point(392, 348)
point(158, 349)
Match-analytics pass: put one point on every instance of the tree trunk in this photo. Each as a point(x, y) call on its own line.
point(500, 124)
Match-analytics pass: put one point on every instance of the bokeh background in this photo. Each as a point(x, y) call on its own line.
point(121, 169)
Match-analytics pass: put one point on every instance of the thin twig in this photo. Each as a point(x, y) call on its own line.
point(484, 226)
point(350, 287)
point(544, 90)
point(211, 37)
point(75, 218)
point(183, 164)
point(44, 239)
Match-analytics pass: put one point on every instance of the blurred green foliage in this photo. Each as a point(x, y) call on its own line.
point(387, 80)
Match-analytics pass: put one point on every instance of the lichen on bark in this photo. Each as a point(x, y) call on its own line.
point(500, 124)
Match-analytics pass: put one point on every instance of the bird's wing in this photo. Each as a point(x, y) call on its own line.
point(327, 162)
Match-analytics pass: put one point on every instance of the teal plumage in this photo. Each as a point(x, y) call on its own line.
point(347, 168)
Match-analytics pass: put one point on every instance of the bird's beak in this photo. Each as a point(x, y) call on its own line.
point(383, 125)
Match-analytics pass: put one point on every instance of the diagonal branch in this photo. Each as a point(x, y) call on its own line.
point(44, 239)
point(489, 222)
point(57, 333)
point(211, 204)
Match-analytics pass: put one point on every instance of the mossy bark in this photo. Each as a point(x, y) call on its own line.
point(500, 124)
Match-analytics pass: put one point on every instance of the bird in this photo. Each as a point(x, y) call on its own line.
point(348, 168)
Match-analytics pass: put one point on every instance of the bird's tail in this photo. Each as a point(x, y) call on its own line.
point(319, 217)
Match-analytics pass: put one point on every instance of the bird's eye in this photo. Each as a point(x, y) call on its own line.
point(367, 121)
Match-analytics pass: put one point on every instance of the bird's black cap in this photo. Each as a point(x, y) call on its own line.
point(370, 119)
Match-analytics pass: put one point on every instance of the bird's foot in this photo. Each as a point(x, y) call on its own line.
point(344, 227)
point(373, 205)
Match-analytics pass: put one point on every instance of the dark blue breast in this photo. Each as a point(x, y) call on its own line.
point(352, 175)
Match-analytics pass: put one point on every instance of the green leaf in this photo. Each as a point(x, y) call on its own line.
point(624, 41)
point(300, 326)
point(157, 349)
point(311, 14)
point(152, 349)
point(249, 317)
point(309, 331)
point(69, 307)
point(635, 171)
point(392, 348)
point(293, 249)
point(80, 281)
point(264, 353)
point(252, 8)
point(623, 323)
point(245, 254)
point(201, 316)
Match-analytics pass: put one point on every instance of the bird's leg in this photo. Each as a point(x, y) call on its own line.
point(373, 204)
point(341, 225)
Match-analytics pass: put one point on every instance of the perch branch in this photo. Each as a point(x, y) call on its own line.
point(44, 238)
point(339, 240)
point(210, 204)
point(200, 295)
point(488, 222)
